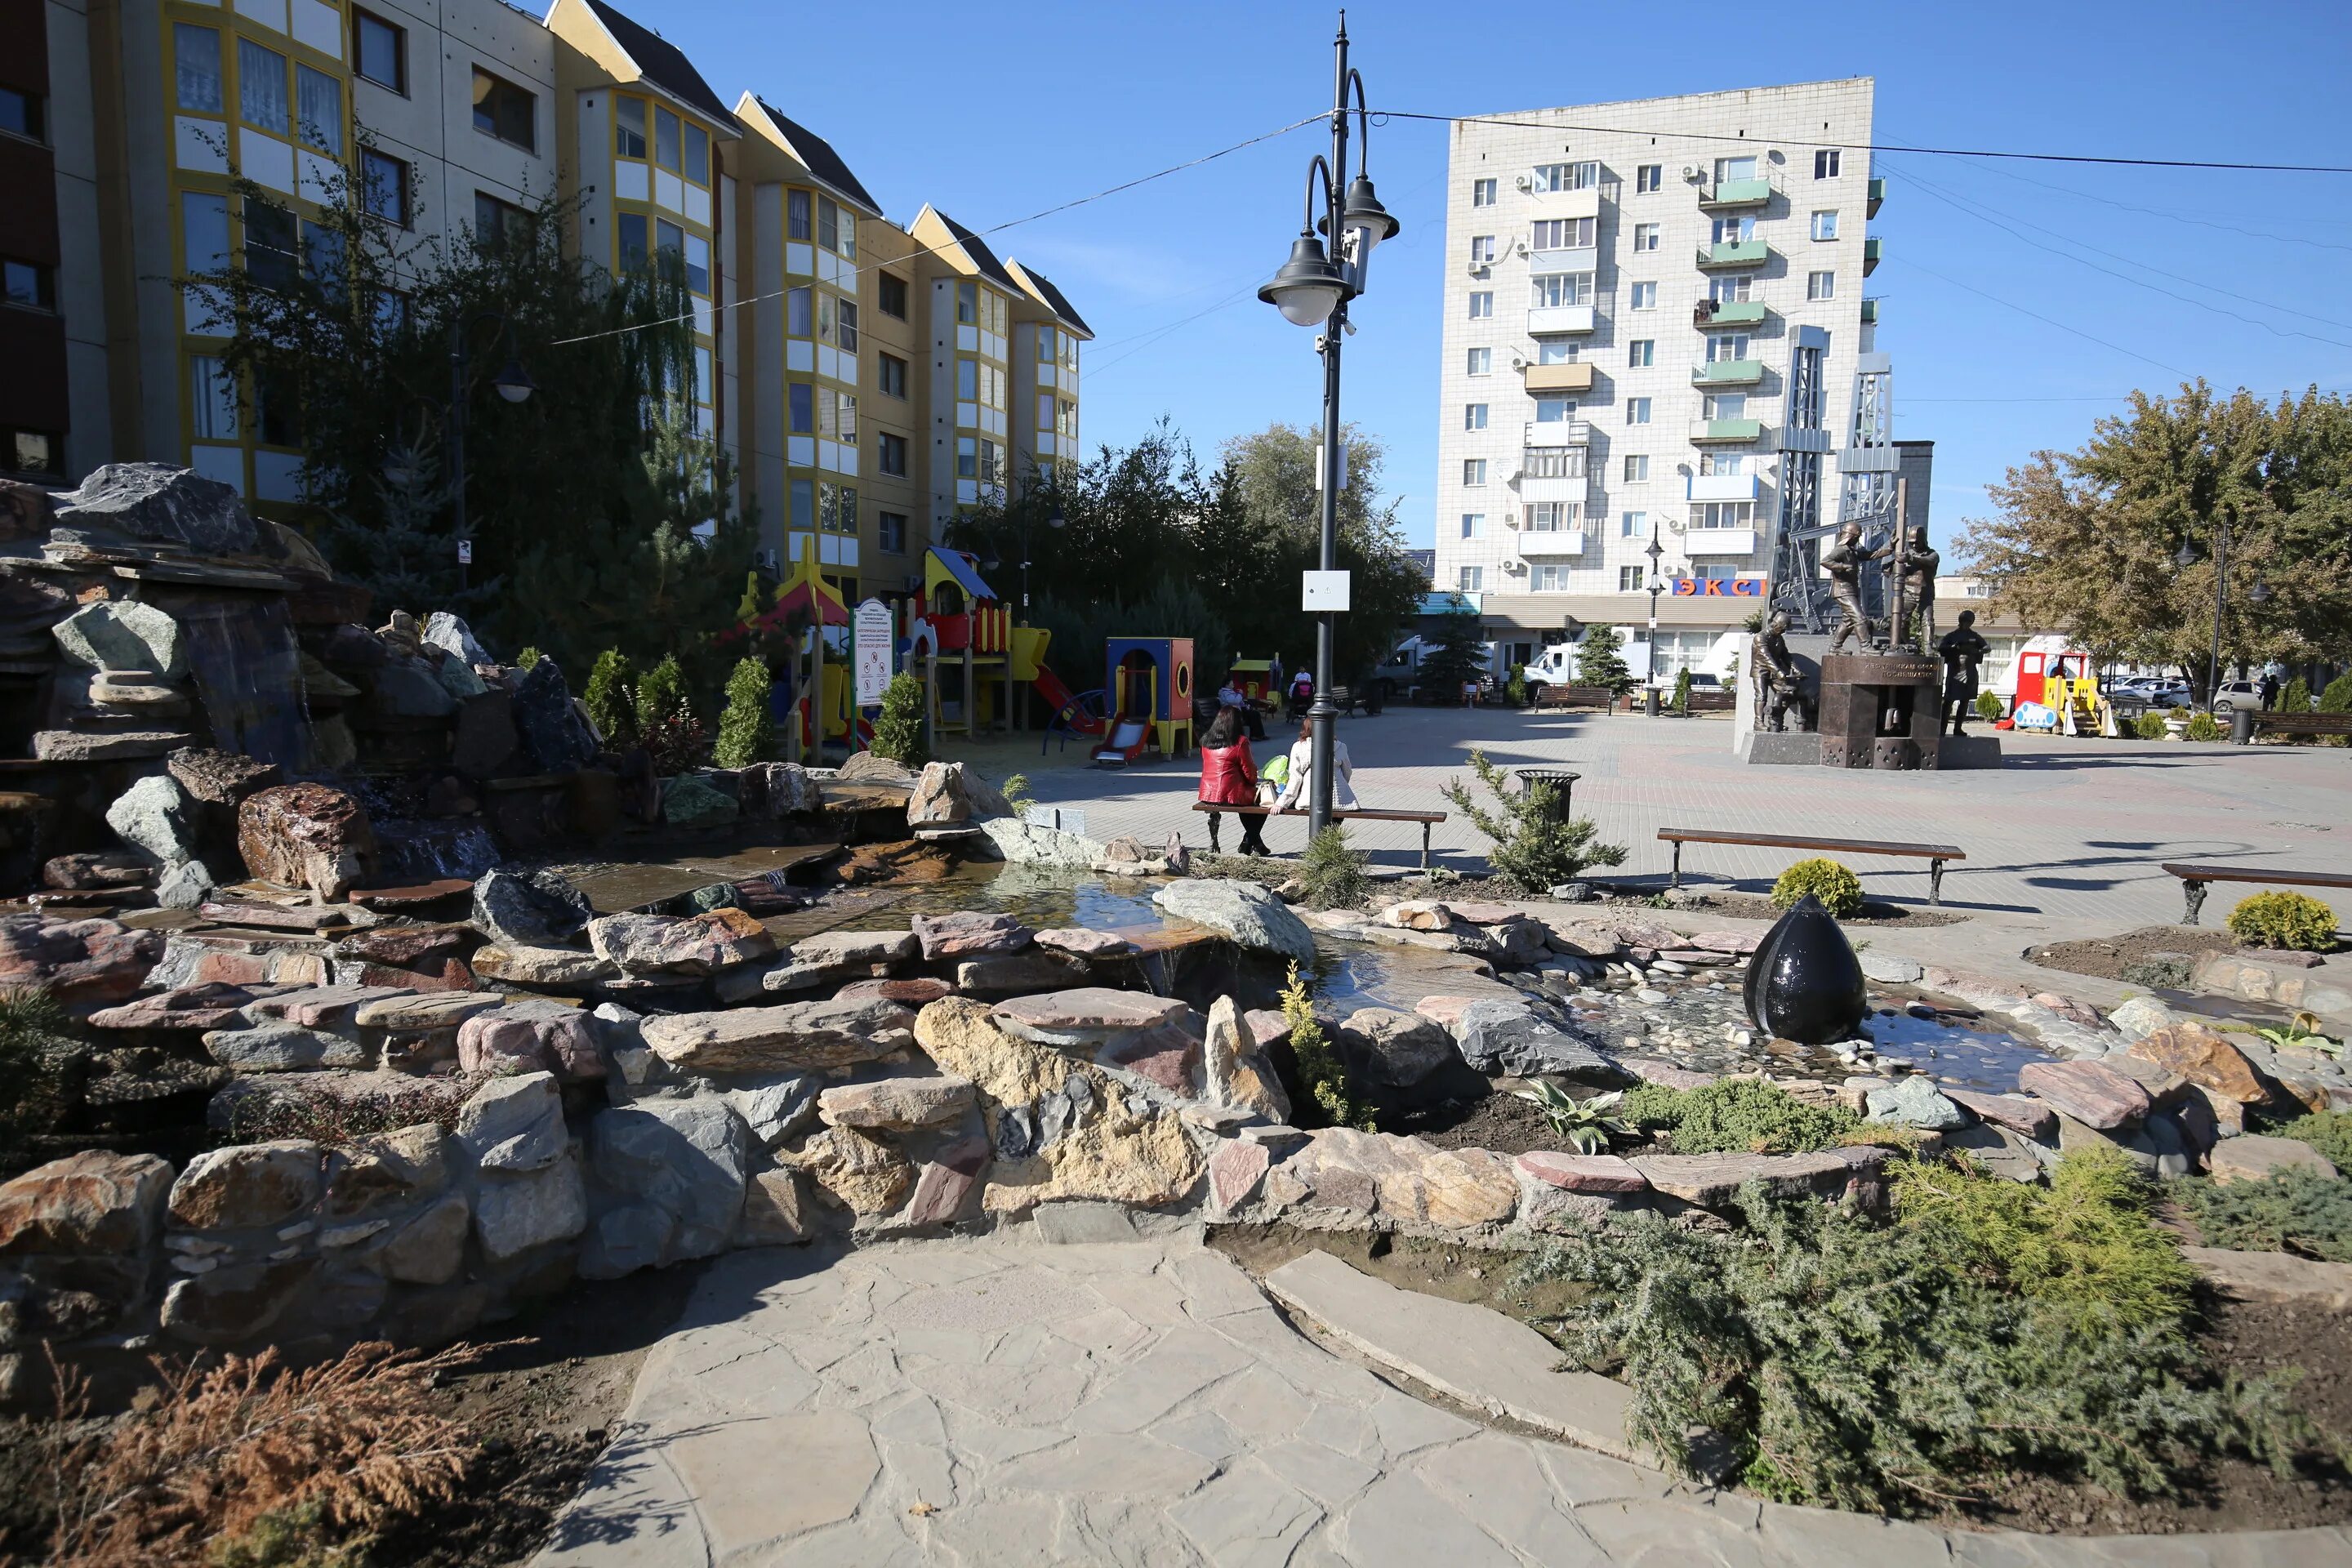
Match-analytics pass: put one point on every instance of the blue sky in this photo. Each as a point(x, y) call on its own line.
point(994, 115)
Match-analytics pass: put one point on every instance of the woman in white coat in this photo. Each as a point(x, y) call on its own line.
point(1302, 762)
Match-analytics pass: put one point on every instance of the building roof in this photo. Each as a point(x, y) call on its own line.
point(663, 63)
point(1041, 288)
point(817, 156)
point(976, 251)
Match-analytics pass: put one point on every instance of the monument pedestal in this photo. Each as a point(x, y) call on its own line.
point(1881, 710)
point(1968, 751)
point(1792, 748)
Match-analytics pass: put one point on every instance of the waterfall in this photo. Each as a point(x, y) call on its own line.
point(247, 669)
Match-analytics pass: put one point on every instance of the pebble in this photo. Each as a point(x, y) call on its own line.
point(1668, 967)
point(1653, 997)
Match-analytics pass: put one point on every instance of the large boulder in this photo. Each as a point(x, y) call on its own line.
point(1398, 1050)
point(1251, 915)
point(531, 1036)
point(2091, 1092)
point(161, 504)
point(310, 836)
point(1236, 1067)
point(248, 1185)
point(686, 1159)
point(515, 1123)
point(221, 778)
point(85, 965)
point(1509, 1037)
point(770, 791)
point(122, 634)
point(2205, 1059)
point(948, 794)
point(664, 945)
point(517, 1211)
point(895, 1104)
point(969, 934)
point(153, 816)
point(860, 1172)
point(1029, 844)
point(795, 1037)
point(555, 738)
point(91, 1204)
point(453, 636)
point(525, 910)
point(1398, 1179)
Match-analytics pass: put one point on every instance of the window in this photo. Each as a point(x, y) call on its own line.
point(1825, 224)
point(798, 223)
point(1730, 291)
point(212, 400)
point(261, 87)
point(1555, 463)
point(1628, 579)
point(1649, 176)
point(1065, 420)
point(497, 222)
point(666, 138)
point(891, 372)
point(1724, 514)
point(1556, 351)
point(635, 254)
point(1643, 297)
point(1474, 471)
point(800, 306)
point(967, 458)
point(1045, 345)
point(1632, 525)
point(697, 153)
point(1551, 177)
point(1482, 304)
point(323, 260)
point(1553, 517)
point(380, 54)
point(1561, 288)
point(1549, 578)
point(20, 112)
point(1482, 250)
point(1473, 525)
point(318, 109)
point(1563, 233)
point(1825, 163)
point(1482, 362)
point(1733, 231)
point(968, 380)
point(1474, 417)
point(800, 399)
point(1729, 169)
point(967, 304)
point(506, 110)
point(23, 283)
point(842, 424)
point(892, 297)
point(203, 232)
point(1645, 236)
point(892, 454)
point(1722, 348)
point(890, 533)
point(197, 67)
point(1468, 579)
point(1637, 411)
point(828, 222)
point(1726, 464)
point(1045, 411)
point(1554, 410)
point(31, 451)
point(1482, 193)
point(698, 271)
point(270, 259)
point(1637, 469)
point(278, 407)
point(1724, 405)
point(383, 186)
point(1821, 285)
point(1641, 353)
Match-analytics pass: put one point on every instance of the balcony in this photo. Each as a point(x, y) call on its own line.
point(1870, 312)
point(1735, 253)
point(1559, 377)
point(1869, 257)
point(1726, 195)
point(1726, 432)
point(1719, 542)
point(1727, 373)
point(1877, 193)
point(1722, 314)
point(1545, 543)
point(1724, 487)
point(1577, 259)
point(1553, 319)
point(1583, 202)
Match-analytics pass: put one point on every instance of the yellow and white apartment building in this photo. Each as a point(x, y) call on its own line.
point(869, 379)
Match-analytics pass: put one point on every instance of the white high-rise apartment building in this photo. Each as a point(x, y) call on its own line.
point(1657, 328)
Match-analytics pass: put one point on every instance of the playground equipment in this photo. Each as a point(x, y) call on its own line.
point(1149, 683)
point(821, 711)
point(2062, 681)
point(959, 628)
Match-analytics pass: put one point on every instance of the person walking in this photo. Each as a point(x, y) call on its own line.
point(1229, 777)
point(1302, 771)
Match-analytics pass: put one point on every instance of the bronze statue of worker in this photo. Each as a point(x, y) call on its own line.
point(1963, 649)
point(1844, 561)
point(1912, 560)
point(1779, 684)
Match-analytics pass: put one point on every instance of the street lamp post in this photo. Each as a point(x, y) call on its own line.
point(1650, 665)
point(1311, 290)
point(514, 385)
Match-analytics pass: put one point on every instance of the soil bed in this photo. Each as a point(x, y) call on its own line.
point(2107, 957)
point(1874, 912)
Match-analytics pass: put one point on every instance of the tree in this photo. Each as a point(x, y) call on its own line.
point(1534, 843)
point(1599, 662)
point(1682, 693)
point(667, 724)
point(1456, 654)
point(2089, 542)
point(747, 732)
point(610, 699)
point(898, 728)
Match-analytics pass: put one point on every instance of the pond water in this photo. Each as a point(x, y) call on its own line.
point(1968, 1054)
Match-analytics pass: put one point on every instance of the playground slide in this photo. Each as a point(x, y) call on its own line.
point(1049, 687)
point(1126, 742)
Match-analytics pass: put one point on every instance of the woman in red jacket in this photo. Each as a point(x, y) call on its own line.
point(1228, 776)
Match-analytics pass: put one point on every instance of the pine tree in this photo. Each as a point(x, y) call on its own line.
point(747, 732)
point(1456, 655)
point(667, 725)
point(407, 553)
point(899, 731)
point(611, 697)
point(1682, 692)
point(1599, 662)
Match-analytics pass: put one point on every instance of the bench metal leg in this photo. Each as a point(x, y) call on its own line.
point(2193, 892)
point(1935, 883)
point(1215, 818)
point(1424, 845)
point(1677, 882)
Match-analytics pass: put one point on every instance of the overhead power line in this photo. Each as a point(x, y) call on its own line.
point(1808, 140)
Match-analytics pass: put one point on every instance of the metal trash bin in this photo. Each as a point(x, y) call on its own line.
point(2241, 726)
point(1561, 779)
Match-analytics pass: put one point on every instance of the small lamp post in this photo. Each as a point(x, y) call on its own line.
point(2259, 593)
point(1650, 665)
point(1312, 289)
point(513, 383)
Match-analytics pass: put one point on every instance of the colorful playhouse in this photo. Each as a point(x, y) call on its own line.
point(964, 638)
point(1148, 685)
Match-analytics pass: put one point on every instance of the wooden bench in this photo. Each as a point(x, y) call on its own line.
point(2304, 724)
point(2193, 880)
point(1554, 696)
point(1428, 819)
point(1714, 701)
point(1933, 854)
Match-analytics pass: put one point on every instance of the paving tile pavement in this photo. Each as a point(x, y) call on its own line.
point(2070, 834)
point(978, 1403)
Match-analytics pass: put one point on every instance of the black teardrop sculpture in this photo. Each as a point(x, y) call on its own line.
point(1804, 982)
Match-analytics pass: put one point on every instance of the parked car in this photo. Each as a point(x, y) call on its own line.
point(2236, 694)
point(2155, 691)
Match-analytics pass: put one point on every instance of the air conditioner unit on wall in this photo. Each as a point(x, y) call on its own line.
point(1692, 173)
point(1525, 182)
point(1519, 362)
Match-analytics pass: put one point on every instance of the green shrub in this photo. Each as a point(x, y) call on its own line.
point(2285, 919)
point(2151, 727)
point(667, 725)
point(1332, 873)
point(610, 699)
point(1534, 844)
point(36, 1031)
point(2296, 696)
point(1516, 689)
point(1584, 1125)
point(1322, 1078)
point(2329, 1132)
point(2205, 727)
point(2084, 1246)
point(1988, 706)
point(899, 729)
point(747, 731)
point(1839, 890)
point(1858, 1364)
point(2336, 698)
point(1682, 692)
point(528, 658)
point(2294, 1211)
point(1736, 1115)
